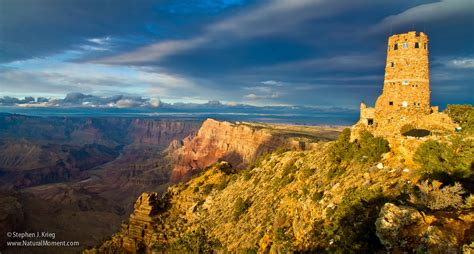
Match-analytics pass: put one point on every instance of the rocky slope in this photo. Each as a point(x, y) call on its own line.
point(300, 201)
point(239, 144)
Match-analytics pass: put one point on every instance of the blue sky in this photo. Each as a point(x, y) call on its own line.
point(319, 53)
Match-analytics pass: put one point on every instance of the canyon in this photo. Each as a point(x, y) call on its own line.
point(73, 175)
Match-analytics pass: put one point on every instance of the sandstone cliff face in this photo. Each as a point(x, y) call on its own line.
point(238, 144)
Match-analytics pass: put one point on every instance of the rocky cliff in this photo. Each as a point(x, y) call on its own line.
point(337, 197)
point(240, 144)
point(78, 176)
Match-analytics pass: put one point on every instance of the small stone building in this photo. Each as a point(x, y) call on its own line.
point(405, 98)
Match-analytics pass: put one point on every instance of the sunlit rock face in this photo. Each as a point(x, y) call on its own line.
point(216, 141)
point(403, 229)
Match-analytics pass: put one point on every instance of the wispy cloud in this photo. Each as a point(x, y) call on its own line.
point(272, 83)
point(54, 76)
point(256, 22)
point(427, 13)
point(253, 96)
point(100, 41)
point(461, 63)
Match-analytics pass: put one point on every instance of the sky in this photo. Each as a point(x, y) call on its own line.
point(317, 53)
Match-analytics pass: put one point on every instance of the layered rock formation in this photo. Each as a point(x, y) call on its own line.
point(239, 144)
point(36, 150)
point(78, 177)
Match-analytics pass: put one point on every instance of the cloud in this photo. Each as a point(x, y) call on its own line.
point(272, 83)
point(100, 41)
point(461, 63)
point(256, 22)
point(253, 96)
point(76, 99)
point(334, 63)
point(154, 52)
point(53, 76)
point(428, 13)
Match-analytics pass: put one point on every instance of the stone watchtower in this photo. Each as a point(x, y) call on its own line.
point(406, 90)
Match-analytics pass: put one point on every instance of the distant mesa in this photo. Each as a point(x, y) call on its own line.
point(405, 98)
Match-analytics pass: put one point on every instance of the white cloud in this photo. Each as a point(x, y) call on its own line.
point(427, 13)
point(276, 16)
point(253, 96)
point(272, 83)
point(461, 63)
point(154, 52)
point(100, 41)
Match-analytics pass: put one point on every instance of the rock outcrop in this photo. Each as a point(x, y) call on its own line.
point(236, 143)
point(403, 229)
point(239, 144)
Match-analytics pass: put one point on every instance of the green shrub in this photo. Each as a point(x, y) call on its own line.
point(370, 148)
point(282, 242)
point(318, 195)
point(195, 241)
point(446, 162)
point(366, 149)
point(340, 152)
point(351, 228)
point(433, 197)
point(226, 168)
point(240, 207)
point(247, 174)
point(207, 188)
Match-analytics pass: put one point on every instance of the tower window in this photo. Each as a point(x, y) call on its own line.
point(417, 45)
point(424, 45)
point(392, 64)
point(405, 45)
point(395, 47)
point(370, 121)
point(390, 103)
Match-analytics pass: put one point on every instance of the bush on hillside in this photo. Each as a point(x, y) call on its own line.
point(446, 162)
point(433, 197)
point(195, 241)
point(371, 148)
point(351, 228)
point(240, 207)
point(366, 149)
